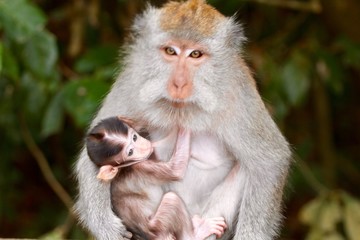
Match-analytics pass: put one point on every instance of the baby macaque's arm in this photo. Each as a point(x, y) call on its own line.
point(175, 168)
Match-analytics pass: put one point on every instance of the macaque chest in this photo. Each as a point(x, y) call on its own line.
point(207, 152)
point(209, 164)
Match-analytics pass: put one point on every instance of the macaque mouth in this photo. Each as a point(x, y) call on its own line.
point(176, 103)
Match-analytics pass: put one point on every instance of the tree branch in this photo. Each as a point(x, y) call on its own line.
point(309, 176)
point(311, 6)
point(324, 132)
point(44, 166)
point(77, 28)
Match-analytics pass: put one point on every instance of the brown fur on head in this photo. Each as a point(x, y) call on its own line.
point(190, 16)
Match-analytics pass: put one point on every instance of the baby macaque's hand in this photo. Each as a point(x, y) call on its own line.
point(204, 227)
point(127, 235)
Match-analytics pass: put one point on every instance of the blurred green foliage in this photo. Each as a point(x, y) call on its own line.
point(58, 60)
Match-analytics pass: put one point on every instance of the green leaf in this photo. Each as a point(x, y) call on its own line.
point(334, 236)
point(1, 56)
point(296, 78)
point(330, 215)
point(97, 57)
point(10, 65)
point(54, 116)
point(56, 234)
point(82, 98)
point(7, 106)
point(34, 94)
point(309, 213)
point(281, 109)
point(315, 234)
point(352, 217)
point(351, 51)
point(106, 73)
point(40, 54)
point(331, 71)
point(20, 19)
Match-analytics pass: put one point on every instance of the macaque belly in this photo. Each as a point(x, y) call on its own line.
point(208, 166)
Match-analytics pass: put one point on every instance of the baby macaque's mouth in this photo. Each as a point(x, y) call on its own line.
point(131, 162)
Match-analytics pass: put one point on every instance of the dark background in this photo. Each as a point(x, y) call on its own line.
point(58, 59)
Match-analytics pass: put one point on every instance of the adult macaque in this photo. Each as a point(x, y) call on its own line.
point(184, 68)
point(122, 155)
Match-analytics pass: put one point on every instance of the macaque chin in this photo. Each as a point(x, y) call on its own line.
point(122, 156)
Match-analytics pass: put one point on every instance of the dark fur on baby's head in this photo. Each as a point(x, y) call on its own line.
point(99, 148)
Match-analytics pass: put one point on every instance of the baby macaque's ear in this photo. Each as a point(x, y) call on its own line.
point(126, 120)
point(107, 172)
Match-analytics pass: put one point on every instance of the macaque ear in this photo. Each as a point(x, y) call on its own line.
point(107, 172)
point(127, 121)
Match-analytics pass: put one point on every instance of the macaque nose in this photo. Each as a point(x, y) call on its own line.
point(180, 87)
point(179, 83)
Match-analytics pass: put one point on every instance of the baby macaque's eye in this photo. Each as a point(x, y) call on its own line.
point(134, 137)
point(130, 152)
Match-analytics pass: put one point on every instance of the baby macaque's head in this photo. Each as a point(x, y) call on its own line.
point(113, 143)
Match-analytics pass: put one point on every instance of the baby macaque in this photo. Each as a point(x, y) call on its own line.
point(122, 155)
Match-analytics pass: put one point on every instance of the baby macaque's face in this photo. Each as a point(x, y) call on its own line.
point(135, 148)
point(113, 142)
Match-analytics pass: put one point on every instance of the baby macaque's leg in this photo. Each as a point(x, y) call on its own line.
point(172, 221)
point(171, 218)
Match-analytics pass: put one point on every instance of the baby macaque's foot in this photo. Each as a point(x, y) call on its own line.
point(204, 227)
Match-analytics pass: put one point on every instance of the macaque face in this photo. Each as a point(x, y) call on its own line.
point(135, 148)
point(113, 142)
point(185, 58)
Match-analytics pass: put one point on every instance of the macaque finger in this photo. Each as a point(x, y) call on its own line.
point(128, 235)
point(220, 221)
point(219, 232)
point(217, 226)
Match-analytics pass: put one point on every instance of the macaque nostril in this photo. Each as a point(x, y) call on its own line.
point(179, 83)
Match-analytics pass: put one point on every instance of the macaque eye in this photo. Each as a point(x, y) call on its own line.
point(170, 51)
point(131, 152)
point(134, 137)
point(196, 54)
point(97, 136)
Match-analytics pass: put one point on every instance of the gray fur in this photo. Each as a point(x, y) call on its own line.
point(225, 104)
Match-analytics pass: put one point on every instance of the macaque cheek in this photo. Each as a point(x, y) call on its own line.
point(143, 148)
point(148, 92)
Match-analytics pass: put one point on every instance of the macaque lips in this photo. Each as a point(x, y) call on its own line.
point(178, 104)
